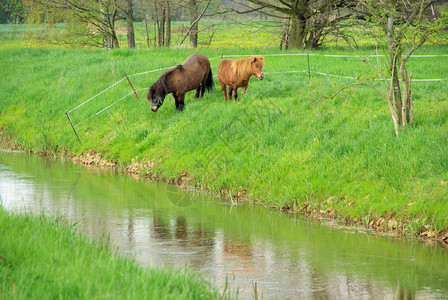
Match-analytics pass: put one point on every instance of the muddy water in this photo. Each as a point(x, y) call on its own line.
point(265, 253)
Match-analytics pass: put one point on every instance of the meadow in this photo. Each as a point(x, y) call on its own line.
point(286, 145)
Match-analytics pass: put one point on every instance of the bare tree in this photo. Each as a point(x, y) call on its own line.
point(405, 26)
point(194, 24)
point(193, 30)
point(307, 18)
point(161, 15)
point(88, 21)
point(168, 24)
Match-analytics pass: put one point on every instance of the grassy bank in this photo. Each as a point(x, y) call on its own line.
point(282, 146)
point(44, 258)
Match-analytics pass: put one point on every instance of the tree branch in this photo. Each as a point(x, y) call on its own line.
point(194, 23)
point(355, 84)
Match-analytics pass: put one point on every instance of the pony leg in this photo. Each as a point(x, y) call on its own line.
point(224, 90)
point(243, 90)
point(176, 101)
point(180, 104)
point(198, 89)
point(230, 93)
point(236, 93)
point(203, 86)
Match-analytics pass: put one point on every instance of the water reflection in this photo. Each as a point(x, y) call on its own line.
point(263, 252)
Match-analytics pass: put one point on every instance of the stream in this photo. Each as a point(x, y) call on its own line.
point(265, 254)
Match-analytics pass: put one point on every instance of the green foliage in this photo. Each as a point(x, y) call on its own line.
point(11, 11)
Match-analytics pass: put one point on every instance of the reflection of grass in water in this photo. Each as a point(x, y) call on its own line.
point(45, 258)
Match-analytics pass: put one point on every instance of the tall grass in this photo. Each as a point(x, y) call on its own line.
point(283, 145)
point(45, 258)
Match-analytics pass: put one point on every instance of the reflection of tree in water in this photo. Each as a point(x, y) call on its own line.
point(403, 294)
point(197, 241)
point(131, 229)
point(180, 232)
point(201, 242)
point(238, 255)
point(160, 228)
point(202, 236)
point(238, 247)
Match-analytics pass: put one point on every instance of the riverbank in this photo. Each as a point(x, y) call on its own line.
point(43, 257)
point(283, 146)
point(385, 224)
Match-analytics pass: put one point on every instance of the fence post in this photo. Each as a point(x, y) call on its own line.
point(135, 92)
point(73, 127)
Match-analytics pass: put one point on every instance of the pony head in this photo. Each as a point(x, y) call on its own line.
point(256, 65)
point(156, 94)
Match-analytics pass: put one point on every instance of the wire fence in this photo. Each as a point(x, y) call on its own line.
point(309, 71)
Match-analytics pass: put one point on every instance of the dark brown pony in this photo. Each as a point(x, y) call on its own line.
point(236, 73)
point(193, 73)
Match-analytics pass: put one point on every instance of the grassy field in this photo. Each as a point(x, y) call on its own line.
point(283, 146)
point(41, 258)
point(218, 35)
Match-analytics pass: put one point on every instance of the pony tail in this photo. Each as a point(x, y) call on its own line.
point(210, 84)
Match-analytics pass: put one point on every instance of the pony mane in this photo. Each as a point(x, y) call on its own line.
point(158, 86)
point(243, 66)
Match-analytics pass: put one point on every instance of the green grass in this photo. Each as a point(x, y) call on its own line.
point(282, 145)
point(45, 258)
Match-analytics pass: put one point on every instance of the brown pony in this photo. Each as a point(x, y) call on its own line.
point(236, 73)
point(193, 73)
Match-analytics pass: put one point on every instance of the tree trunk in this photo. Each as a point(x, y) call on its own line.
point(285, 36)
point(168, 25)
point(162, 29)
point(156, 26)
point(393, 112)
point(115, 43)
point(395, 85)
point(147, 31)
point(130, 24)
point(313, 40)
point(195, 26)
point(407, 107)
point(297, 36)
point(394, 51)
